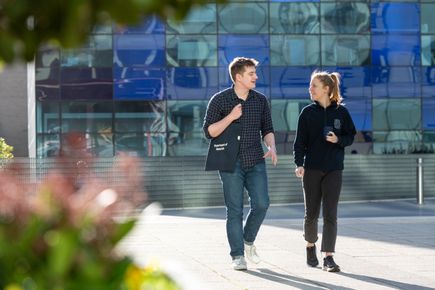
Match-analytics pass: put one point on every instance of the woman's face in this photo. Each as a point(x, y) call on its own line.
point(317, 90)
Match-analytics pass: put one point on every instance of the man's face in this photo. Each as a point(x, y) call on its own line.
point(248, 78)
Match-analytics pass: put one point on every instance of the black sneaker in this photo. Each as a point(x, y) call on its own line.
point(329, 265)
point(311, 256)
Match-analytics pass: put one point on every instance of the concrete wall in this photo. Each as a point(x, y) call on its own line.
point(13, 107)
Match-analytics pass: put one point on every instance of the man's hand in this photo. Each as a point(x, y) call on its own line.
point(272, 154)
point(236, 112)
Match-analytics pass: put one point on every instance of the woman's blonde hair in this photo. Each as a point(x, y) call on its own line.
point(332, 81)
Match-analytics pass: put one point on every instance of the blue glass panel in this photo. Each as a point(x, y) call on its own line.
point(388, 50)
point(395, 17)
point(361, 111)
point(87, 116)
point(255, 46)
point(290, 82)
point(47, 56)
point(140, 116)
point(136, 83)
point(47, 83)
point(397, 142)
point(428, 109)
point(47, 145)
point(345, 17)
point(191, 50)
point(263, 83)
point(396, 114)
point(243, 18)
point(396, 82)
point(47, 117)
point(195, 83)
point(428, 49)
point(199, 20)
point(294, 18)
point(355, 81)
point(285, 113)
point(150, 25)
point(428, 82)
point(139, 50)
point(86, 83)
point(140, 144)
point(294, 0)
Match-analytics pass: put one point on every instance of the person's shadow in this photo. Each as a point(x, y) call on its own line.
point(294, 281)
point(307, 284)
point(385, 282)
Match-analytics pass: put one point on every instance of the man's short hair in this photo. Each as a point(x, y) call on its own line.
point(238, 65)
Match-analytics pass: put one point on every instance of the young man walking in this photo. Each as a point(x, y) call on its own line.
point(242, 104)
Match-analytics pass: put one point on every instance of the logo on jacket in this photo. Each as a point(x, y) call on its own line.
point(337, 124)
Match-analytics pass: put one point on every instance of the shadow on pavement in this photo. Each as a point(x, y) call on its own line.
point(293, 281)
point(384, 282)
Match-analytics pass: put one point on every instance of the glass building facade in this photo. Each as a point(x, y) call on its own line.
point(144, 89)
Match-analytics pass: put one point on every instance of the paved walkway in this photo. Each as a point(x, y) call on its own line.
point(381, 245)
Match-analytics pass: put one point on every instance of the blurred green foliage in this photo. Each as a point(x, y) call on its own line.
point(27, 24)
point(5, 150)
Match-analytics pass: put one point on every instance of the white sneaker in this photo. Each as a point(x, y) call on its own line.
point(251, 254)
point(239, 263)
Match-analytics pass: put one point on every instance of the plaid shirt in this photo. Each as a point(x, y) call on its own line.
point(256, 121)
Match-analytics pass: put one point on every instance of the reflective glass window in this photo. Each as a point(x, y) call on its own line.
point(140, 116)
point(399, 114)
point(185, 134)
point(392, 50)
point(361, 111)
point(199, 20)
point(429, 142)
point(47, 56)
point(290, 82)
point(97, 52)
point(243, 18)
point(428, 50)
point(196, 83)
point(47, 117)
point(191, 50)
point(428, 82)
point(255, 46)
point(294, 18)
point(362, 144)
point(355, 81)
point(262, 84)
point(139, 83)
point(141, 144)
point(149, 25)
point(345, 17)
point(87, 117)
point(285, 113)
point(345, 50)
point(428, 111)
point(103, 28)
point(87, 144)
point(397, 142)
point(86, 83)
point(294, 50)
point(427, 19)
point(139, 50)
point(47, 145)
point(396, 82)
point(395, 17)
point(47, 83)
point(284, 142)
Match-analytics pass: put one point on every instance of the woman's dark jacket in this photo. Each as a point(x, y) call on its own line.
point(310, 148)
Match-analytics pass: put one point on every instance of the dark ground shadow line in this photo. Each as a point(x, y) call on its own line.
point(293, 281)
point(385, 282)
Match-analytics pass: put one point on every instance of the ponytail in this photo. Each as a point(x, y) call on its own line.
point(331, 80)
